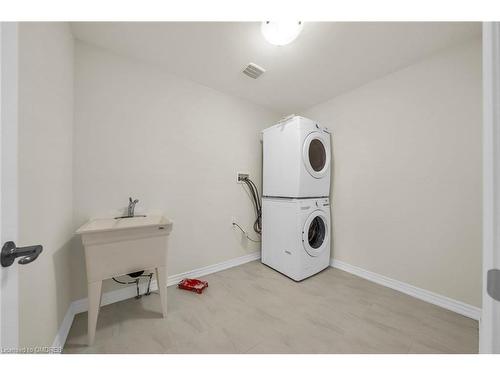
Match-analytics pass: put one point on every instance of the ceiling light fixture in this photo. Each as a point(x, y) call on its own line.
point(282, 32)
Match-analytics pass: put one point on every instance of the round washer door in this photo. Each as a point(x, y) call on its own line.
point(315, 233)
point(316, 154)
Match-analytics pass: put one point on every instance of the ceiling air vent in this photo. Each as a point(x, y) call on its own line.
point(254, 71)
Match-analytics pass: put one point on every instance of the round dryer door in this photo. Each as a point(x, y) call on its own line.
point(315, 233)
point(316, 154)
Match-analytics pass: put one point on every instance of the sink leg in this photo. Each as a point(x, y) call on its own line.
point(94, 303)
point(161, 278)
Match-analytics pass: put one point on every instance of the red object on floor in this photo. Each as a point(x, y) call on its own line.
point(193, 285)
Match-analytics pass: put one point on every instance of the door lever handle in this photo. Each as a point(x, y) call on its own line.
point(27, 253)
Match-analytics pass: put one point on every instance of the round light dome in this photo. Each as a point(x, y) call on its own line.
point(281, 33)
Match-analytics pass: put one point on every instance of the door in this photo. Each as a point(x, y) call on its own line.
point(315, 233)
point(489, 329)
point(316, 154)
point(8, 182)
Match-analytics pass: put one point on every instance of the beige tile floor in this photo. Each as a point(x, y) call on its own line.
point(253, 309)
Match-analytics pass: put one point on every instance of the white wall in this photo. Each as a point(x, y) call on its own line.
point(407, 174)
point(173, 144)
point(45, 176)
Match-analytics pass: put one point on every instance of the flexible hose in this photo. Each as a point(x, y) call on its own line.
point(245, 233)
point(257, 226)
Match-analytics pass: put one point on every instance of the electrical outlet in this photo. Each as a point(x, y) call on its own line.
point(240, 176)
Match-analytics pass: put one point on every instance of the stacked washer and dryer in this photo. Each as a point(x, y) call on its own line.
point(295, 199)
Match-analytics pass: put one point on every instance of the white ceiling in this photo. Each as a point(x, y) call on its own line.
point(328, 58)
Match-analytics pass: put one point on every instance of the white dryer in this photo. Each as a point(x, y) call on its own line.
point(296, 159)
point(296, 235)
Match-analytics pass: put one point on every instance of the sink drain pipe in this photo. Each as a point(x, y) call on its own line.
point(137, 276)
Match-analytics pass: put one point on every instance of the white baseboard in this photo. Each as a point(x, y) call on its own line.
point(121, 294)
point(63, 331)
point(461, 308)
point(174, 279)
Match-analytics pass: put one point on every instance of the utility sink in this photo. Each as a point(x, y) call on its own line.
point(122, 222)
point(119, 246)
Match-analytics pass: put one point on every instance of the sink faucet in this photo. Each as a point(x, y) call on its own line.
point(131, 206)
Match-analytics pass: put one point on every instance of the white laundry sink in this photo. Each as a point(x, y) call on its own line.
point(118, 246)
point(112, 224)
point(115, 247)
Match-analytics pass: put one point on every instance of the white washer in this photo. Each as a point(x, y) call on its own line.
point(296, 159)
point(296, 235)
